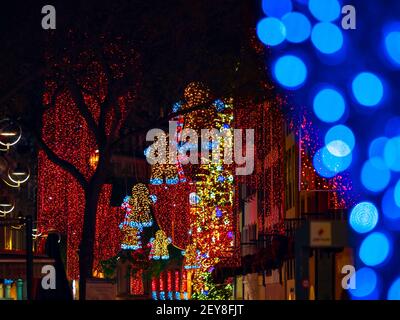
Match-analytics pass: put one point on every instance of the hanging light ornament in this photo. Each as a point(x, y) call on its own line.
point(10, 134)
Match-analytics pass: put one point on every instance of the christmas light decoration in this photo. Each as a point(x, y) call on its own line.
point(136, 283)
point(137, 216)
point(177, 287)
point(159, 246)
point(61, 201)
point(140, 203)
point(154, 288)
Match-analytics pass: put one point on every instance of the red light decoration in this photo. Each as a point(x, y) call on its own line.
point(136, 283)
point(60, 197)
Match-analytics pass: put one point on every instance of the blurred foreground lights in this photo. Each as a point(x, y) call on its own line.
point(363, 217)
point(367, 89)
point(276, 8)
point(298, 27)
point(271, 31)
point(290, 71)
point(366, 283)
point(374, 249)
point(392, 154)
point(328, 165)
point(327, 38)
point(375, 175)
point(325, 10)
point(340, 141)
point(329, 105)
point(394, 290)
point(392, 46)
point(377, 147)
point(390, 209)
point(397, 193)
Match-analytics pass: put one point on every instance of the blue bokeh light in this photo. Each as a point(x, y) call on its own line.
point(290, 71)
point(271, 31)
point(389, 208)
point(367, 89)
point(340, 140)
point(298, 27)
point(327, 37)
point(363, 217)
point(397, 193)
point(325, 10)
point(377, 147)
point(375, 175)
point(276, 8)
point(366, 283)
point(374, 249)
point(329, 105)
point(328, 165)
point(392, 46)
point(392, 154)
point(394, 290)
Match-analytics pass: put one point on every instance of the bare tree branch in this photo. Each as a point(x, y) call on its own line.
point(84, 110)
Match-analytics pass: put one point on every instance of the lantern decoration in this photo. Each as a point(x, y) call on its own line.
point(159, 246)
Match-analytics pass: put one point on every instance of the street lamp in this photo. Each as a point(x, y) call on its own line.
point(6, 206)
point(10, 134)
point(17, 176)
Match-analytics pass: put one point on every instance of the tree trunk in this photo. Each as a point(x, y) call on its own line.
point(86, 247)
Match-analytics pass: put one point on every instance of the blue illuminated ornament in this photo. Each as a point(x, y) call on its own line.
point(219, 105)
point(176, 107)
